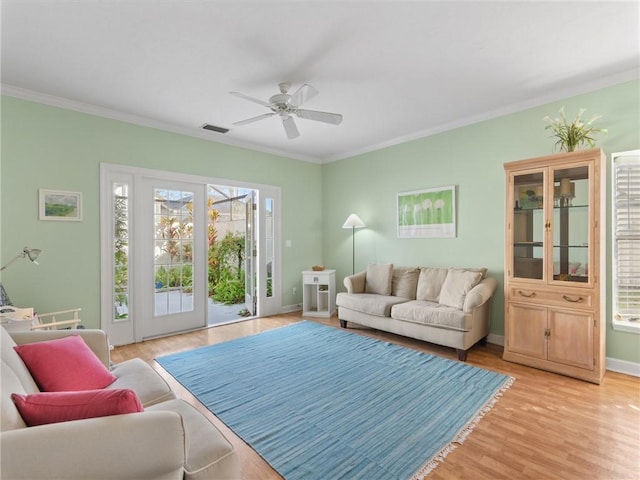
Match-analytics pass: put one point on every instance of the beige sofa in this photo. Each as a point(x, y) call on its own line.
point(445, 306)
point(169, 440)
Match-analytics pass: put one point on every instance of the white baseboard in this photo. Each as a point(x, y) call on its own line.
point(292, 308)
point(613, 364)
point(623, 366)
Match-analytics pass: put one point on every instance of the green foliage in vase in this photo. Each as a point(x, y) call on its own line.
point(574, 134)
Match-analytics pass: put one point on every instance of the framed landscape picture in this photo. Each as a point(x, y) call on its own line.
point(429, 213)
point(60, 205)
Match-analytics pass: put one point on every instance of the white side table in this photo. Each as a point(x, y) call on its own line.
point(318, 293)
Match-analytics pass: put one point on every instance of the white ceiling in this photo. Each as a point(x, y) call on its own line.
point(396, 70)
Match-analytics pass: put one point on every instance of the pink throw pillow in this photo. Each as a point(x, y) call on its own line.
point(64, 364)
point(53, 407)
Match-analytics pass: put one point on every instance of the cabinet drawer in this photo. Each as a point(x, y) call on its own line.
point(578, 299)
point(310, 278)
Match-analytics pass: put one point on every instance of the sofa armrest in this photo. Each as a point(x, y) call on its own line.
point(480, 294)
point(95, 339)
point(355, 283)
point(138, 445)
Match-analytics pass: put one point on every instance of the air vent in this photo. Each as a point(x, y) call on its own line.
point(213, 128)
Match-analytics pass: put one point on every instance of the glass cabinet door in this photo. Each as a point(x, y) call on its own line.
point(528, 225)
point(571, 224)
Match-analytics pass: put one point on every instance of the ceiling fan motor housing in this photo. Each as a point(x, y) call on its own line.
point(280, 101)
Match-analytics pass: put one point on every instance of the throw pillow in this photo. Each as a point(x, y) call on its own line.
point(53, 407)
point(430, 283)
point(64, 364)
point(404, 282)
point(378, 279)
point(456, 286)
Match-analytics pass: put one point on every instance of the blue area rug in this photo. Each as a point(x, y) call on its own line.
point(321, 403)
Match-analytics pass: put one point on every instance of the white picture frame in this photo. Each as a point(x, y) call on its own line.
point(428, 213)
point(60, 205)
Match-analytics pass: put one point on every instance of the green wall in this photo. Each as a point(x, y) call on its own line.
point(471, 158)
point(47, 147)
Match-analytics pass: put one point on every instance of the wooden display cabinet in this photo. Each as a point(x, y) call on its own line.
point(554, 264)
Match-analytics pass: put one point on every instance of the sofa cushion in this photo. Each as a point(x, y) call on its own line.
point(457, 284)
point(64, 364)
point(404, 282)
point(379, 305)
point(430, 283)
point(54, 407)
point(433, 314)
point(140, 377)
point(379, 279)
point(208, 453)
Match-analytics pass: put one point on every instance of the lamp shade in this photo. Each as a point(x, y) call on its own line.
point(32, 253)
point(353, 221)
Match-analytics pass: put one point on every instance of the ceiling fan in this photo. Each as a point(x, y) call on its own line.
point(285, 106)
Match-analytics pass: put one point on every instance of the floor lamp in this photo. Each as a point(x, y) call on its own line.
point(353, 222)
point(32, 254)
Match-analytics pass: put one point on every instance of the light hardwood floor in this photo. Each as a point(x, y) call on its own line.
point(545, 427)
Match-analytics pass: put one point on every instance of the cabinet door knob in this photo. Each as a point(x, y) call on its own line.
point(572, 300)
point(528, 295)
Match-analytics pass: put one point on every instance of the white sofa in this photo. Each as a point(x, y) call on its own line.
point(445, 306)
point(169, 440)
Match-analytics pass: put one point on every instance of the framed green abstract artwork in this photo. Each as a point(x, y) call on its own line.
point(429, 213)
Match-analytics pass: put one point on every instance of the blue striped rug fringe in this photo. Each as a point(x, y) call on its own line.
point(462, 435)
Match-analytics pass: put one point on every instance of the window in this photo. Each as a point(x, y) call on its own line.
point(121, 250)
point(626, 241)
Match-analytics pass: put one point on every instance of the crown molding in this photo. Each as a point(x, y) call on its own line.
point(64, 103)
point(538, 101)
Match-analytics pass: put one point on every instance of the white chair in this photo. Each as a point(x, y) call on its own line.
point(50, 321)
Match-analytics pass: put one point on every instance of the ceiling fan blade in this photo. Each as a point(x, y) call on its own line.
point(251, 99)
point(254, 119)
point(290, 127)
point(304, 93)
point(326, 117)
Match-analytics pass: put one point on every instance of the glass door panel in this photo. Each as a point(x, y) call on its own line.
point(172, 260)
point(269, 244)
point(173, 280)
point(571, 226)
point(528, 225)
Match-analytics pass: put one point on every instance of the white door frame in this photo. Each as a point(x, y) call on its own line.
point(128, 331)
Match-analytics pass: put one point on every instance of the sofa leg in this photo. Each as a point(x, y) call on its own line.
point(343, 323)
point(483, 340)
point(462, 354)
